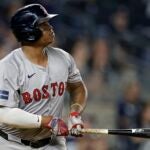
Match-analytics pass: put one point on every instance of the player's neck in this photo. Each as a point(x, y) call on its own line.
point(35, 55)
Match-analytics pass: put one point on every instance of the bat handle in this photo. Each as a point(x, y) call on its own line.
point(95, 131)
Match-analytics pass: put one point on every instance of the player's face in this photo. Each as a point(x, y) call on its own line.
point(48, 34)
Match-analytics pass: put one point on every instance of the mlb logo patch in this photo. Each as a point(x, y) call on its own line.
point(4, 94)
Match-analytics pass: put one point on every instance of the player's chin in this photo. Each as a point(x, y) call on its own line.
point(51, 40)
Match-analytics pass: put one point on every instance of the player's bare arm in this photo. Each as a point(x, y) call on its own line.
point(78, 96)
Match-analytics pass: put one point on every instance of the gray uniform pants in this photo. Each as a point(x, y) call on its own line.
point(11, 145)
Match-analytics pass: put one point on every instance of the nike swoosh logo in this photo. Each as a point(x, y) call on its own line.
point(29, 76)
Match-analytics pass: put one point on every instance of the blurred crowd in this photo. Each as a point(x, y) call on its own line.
point(109, 40)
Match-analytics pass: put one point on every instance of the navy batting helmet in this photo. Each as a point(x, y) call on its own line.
point(25, 21)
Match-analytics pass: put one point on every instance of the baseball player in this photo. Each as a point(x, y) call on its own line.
point(33, 80)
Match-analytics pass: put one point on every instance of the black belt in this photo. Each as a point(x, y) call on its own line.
point(37, 144)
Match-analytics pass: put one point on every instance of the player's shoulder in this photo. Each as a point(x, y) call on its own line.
point(10, 60)
point(58, 52)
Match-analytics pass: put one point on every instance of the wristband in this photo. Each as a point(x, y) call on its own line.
point(77, 104)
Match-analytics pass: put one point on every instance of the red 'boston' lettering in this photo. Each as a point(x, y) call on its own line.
point(26, 97)
point(45, 92)
point(54, 85)
point(61, 88)
point(37, 94)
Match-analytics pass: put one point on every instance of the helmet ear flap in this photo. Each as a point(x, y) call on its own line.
point(33, 35)
point(28, 34)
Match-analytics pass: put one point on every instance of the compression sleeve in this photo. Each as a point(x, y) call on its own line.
point(19, 118)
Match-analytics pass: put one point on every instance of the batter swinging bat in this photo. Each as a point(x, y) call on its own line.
point(141, 132)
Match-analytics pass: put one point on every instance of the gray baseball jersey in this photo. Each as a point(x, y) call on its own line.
point(36, 89)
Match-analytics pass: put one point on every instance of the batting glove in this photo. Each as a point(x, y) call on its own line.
point(75, 124)
point(59, 127)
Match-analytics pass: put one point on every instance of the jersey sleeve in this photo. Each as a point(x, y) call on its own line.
point(74, 73)
point(8, 85)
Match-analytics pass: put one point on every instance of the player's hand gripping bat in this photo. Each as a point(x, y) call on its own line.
point(140, 132)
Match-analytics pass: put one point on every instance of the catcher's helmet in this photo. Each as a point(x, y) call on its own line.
point(25, 21)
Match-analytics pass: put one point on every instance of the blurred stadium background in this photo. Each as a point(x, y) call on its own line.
point(110, 41)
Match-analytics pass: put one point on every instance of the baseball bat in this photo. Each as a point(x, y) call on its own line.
point(139, 132)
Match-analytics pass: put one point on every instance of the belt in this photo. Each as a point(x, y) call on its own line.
point(36, 144)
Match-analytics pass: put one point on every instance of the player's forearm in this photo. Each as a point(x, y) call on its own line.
point(78, 93)
point(18, 118)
